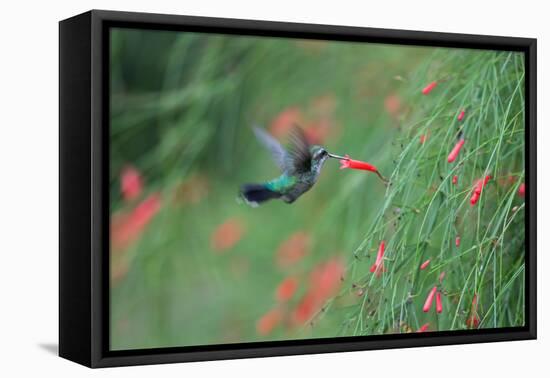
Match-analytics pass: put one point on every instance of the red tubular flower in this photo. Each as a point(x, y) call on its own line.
point(473, 320)
point(429, 300)
point(521, 190)
point(130, 183)
point(457, 241)
point(455, 151)
point(461, 115)
point(455, 179)
point(441, 276)
point(378, 269)
point(438, 303)
point(378, 265)
point(428, 88)
point(481, 183)
point(424, 328)
point(423, 138)
point(478, 188)
point(286, 289)
point(356, 164)
point(425, 264)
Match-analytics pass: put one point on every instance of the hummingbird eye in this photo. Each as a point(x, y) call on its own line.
point(321, 153)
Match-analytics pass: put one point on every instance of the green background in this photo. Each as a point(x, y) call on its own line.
point(182, 109)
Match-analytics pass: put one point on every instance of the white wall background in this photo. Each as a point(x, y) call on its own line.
point(29, 189)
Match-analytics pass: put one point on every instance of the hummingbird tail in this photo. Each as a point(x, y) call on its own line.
point(255, 194)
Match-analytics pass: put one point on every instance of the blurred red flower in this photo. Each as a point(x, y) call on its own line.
point(392, 104)
point(286, 289)
point(325, 281)
point(306, 308)
point(268, 322)
point(461, 115)
point(130, 183)
point(423, 138)
point(285, 121)
point(326, 278)
point(424, 328)
point(127, 227)
point(455, 179)
point(317, 132)
point(293, 249)
point(521, 190)
point(226, 235)
point(457, 241)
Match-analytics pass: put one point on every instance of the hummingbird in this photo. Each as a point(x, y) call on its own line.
point(300, 167)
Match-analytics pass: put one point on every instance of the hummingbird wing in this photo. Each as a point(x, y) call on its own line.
point(299, 152)
point(277, 151)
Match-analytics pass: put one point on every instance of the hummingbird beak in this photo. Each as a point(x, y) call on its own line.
point(336, 156)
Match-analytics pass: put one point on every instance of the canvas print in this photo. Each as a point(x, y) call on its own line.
point(266, 189)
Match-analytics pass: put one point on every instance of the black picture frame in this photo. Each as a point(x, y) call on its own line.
point(84, 194)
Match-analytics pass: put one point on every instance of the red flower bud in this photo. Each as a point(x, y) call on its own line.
point(478, 188)
point(455, 151)
point(461, 115)
point(438, 303)
point(441, 276)
point(455, 179)
point(424, 328)
point(457, 241)
point(425, 264)
point(130, 183)
point(428, 88)
point(429, 300)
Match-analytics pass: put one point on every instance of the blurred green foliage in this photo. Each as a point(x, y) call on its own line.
point(204, 269)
